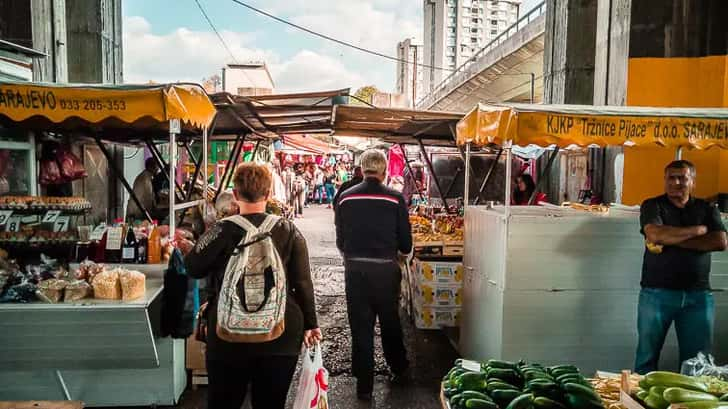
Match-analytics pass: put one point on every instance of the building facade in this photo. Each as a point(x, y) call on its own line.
point(250, 79)
point(409, 70)
point(454, 31)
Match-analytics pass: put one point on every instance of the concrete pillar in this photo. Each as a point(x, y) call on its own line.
point(612, 52)
point(48, 22)
point(94, 41)
point(569, 51)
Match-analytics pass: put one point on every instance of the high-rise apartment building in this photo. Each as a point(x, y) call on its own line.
point(454, 30)
point(409, 74)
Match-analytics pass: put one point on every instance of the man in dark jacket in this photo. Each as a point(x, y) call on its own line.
point(358, 178)
point(372, 227)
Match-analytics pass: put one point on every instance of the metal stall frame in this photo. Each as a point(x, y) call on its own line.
point(116, 115)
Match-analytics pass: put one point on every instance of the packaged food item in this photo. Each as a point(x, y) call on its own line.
point(76, 290)
point(87, 270)
point(51, 290)
point(107, 286)
point(133, 284)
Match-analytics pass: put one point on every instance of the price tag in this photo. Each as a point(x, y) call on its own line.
point(470, 365)
point(175, 126)
point(13, 224)
point(51, 216)
point(4, 216)
point(98, 232)
point(61, 224)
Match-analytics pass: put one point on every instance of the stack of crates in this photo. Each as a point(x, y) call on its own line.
point(436, 291)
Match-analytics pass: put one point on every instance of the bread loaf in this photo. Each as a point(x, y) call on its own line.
point(51, 290)
point(107, 286)
point(133, 284)
point(77, 290)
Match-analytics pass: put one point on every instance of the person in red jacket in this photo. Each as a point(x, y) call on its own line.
point(525, 187)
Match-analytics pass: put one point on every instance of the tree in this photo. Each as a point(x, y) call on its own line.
point(365, 93)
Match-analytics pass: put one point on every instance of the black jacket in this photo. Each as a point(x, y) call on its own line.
point(345, 186)
point(372, 221)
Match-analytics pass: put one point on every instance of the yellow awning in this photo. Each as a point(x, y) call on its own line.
point(98, 104)
point(567, 125)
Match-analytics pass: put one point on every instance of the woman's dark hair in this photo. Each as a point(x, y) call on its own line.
point(522, 197)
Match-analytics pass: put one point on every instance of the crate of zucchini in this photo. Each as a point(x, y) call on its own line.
point(660, 390)
point(507, 385)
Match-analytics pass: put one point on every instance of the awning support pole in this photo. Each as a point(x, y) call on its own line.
point(164, 165)
point(409, 169)
point(239, 141)
point(255, 151)
point(432, 172)
point(543, 174)
point(466, 189)
point(172, 173)
point(452, 182)
point(509, 182)
point(120, 175)
point(488, 175)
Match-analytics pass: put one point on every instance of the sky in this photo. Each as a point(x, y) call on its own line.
point(169, 40)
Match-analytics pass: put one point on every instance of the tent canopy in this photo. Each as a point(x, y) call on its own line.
point(272, 116)
point(307, 143)
point(583, 125)
point(115, 111)
point(396, 125)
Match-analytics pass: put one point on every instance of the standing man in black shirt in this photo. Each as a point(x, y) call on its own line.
point(372, 226)
point(681, 232)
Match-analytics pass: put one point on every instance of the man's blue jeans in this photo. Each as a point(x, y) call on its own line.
point(691, 311)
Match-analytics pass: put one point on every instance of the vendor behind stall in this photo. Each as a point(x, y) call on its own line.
point(525, 186)
point(680, 231)
point(144, 190)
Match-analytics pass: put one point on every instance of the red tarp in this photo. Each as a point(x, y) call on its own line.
point(307, 143)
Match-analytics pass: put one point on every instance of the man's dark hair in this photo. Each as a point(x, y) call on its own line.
point(151, 165)
point(681, 164)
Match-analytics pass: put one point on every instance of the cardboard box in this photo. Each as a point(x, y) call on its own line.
point(446, 272)
point(434, 294)
point(195, 354)
point(436, 317)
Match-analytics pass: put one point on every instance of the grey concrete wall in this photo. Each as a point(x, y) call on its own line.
point(569, 51)
point(48, 22)
point(94, 41)
point(612, 52)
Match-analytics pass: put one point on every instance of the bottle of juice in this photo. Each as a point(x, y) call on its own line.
point(154, 245)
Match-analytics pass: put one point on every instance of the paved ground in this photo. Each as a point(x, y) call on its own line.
point(429, 351)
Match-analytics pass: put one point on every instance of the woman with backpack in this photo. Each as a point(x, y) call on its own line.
point(262, 306)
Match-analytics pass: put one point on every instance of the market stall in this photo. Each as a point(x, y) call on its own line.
point(90, 332)
point(560, 284)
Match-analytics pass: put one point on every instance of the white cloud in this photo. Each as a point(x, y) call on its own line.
point(310, 71)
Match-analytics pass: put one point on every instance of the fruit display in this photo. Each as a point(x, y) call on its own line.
point(44, 203)
point(499, 384)
point(441, 228)
point(659, 390)
point(31, 236)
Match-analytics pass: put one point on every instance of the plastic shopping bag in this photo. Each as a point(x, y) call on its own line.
point(314, 382)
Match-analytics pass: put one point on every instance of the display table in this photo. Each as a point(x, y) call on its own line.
point(101, 352)
point(561, 286)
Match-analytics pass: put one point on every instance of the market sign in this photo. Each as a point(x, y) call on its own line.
point(95, 104)
point(564, 125)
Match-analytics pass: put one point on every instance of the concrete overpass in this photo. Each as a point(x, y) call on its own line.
point(509, 68)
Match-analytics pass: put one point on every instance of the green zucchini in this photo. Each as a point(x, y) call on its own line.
point(537, 375)
point(494, 386)
point(654, 402)
point(577, 389)
point(571, 368)
point(565, 371)
point(645, 385)
point(474, 395)
point(495, 363)
point(455, 399)
point(724, 398)
point(656, 393)
point(546, 403)
point(642, 394)
point(450, 392)
point(524, 401)
point(582, 402)
point(470, 381)
point(678, 395)
point(704, 404)
point(480, 404)
point(503, 397)
point(668, 379)
point(454, 375)
point(508, 375)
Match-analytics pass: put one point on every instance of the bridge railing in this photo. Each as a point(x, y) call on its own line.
point(526, 19)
